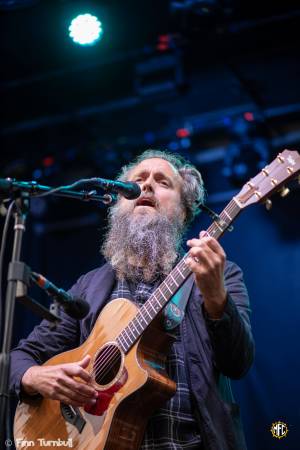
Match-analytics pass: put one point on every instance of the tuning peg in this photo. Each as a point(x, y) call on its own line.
point(284, 191)
point(268, 204)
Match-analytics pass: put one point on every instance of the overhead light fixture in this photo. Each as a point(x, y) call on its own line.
point(85, 29)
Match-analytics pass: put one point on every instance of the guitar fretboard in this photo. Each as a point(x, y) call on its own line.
point(161, 296)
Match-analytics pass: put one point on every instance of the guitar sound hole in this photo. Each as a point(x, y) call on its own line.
point(107, 364)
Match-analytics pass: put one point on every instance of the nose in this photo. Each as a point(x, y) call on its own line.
point(148, 185)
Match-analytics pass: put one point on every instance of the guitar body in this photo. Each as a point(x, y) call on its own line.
point(130, 387)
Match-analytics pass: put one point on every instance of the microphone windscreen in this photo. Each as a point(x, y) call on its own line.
point(133, 192)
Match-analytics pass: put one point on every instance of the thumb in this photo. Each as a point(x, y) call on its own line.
point(84, 362)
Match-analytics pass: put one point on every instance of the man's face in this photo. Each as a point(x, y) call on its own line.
point(161, 189)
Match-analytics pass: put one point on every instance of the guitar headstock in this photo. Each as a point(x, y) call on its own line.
point(272, 178)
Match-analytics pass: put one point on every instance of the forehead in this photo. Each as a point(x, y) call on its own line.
point(156, 165)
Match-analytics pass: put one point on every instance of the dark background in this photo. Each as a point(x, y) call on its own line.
point(216, 81)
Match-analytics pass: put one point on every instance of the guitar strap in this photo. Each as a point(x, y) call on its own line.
point(175, 309)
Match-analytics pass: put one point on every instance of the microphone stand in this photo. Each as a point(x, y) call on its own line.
point(18, 278)
point(10, 186)
point(14, 276)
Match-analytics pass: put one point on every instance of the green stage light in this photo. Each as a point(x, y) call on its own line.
point(85, 29)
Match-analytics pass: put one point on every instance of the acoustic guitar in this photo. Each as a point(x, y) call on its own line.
point(129, 352)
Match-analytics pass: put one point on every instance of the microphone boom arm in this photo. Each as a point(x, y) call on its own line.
point(127, 189)
point(9, 185)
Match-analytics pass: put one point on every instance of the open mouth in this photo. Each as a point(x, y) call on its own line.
point(146, 201)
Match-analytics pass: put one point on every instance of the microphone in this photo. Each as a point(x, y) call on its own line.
point(127, 189)
point(74, 306)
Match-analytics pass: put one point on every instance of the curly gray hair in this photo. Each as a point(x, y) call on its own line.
point(193, 192)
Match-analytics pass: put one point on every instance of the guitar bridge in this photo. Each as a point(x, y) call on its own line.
point(73, 416)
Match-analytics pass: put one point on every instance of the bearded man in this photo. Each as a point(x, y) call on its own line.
point(213, 340)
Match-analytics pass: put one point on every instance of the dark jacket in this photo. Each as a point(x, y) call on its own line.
point(215, 350)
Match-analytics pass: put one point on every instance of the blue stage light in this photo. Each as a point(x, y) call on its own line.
point(85, 29)
point(37, 173)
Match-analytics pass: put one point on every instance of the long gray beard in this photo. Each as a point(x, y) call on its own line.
point(142, 247)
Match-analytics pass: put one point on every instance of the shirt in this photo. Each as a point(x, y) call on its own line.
point(173, 426)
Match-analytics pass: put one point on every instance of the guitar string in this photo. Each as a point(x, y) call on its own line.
point(114, 354)
point(107, 364)
point(110, 357)
point(147, 307)
point(105, 360)
point(230, 208)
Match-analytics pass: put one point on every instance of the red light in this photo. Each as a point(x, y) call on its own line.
point(48, 161)
point(164, 38)
point(162, 47)
point(249, 116)
point(182, 133)
point(163, 42)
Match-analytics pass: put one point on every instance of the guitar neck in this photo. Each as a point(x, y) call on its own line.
point(162, 295)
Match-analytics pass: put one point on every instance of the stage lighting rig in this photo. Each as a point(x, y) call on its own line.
point(202, 8)
point(248, 151)
point(158, 74)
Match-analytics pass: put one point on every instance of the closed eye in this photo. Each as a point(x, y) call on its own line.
point(164, 183)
